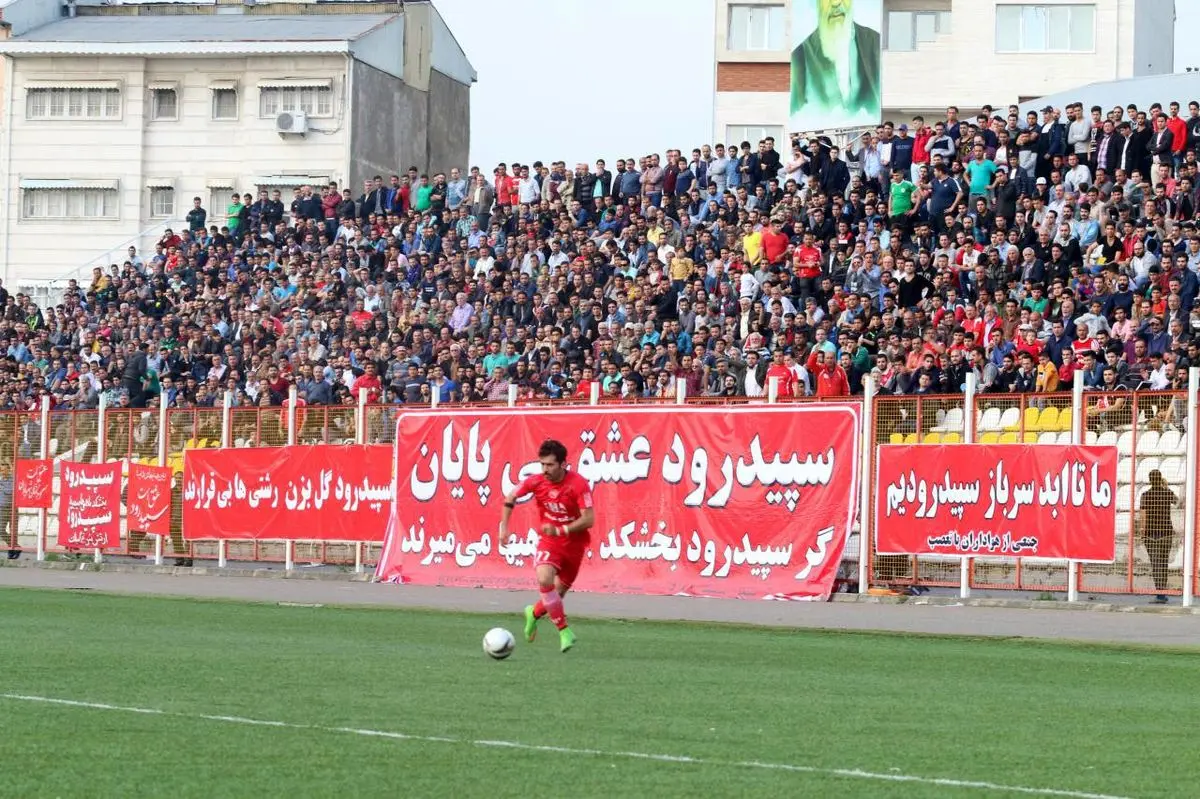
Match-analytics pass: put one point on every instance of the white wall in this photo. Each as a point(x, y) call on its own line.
point(947, 71)
point(193, 150)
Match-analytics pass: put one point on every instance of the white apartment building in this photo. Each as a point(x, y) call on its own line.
point(944, 52)
point(118, 116)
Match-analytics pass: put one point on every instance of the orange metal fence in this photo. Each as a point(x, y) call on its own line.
point(1147, 430)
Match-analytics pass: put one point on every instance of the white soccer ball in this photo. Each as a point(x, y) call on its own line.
point(499, 643)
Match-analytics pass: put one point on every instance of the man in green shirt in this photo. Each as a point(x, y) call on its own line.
point(902, 201)
point(233, 214)
point(424, 190)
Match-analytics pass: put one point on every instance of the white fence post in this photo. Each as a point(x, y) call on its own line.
point(101, 445)
point(44, 448)
point(361, 428)
point(964, 573)
point(435, 396)
point(226, 442)
point(1189, 490)
point(681, 394)
point(594, 392)
point(360, 438)
point(291, 415)
point(866, 495)
point(1078, 436)
point(289, 545)
point(772, 390)
point(162, 461)
point(512, 395)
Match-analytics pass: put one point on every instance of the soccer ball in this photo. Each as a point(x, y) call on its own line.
point(499, 643)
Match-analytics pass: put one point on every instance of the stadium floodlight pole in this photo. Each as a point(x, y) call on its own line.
point(101, 445)
point(865, 498)
point(226, 442)
point(1078, 425)
point(512, 395)
point(772, 390)
point(964, 574)
point(44, 449)
point(360, 437)
point(162, 461)
point(1189, 490)
point(680, 392)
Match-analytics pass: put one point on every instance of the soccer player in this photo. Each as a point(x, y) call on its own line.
point(564, 500)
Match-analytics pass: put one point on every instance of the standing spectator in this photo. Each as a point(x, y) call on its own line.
point(1156, 530)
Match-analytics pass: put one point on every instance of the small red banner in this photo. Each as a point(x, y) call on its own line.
point(999, 500)
point(311, 493)
point(89, 506)
point(149, 499)
point(34, 482)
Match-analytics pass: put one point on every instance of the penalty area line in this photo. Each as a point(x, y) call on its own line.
point(567, 750)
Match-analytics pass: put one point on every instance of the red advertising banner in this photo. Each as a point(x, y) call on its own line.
point(317, 493)
point(89, 505)
point(149, 499)
point(34, 484)
point(750, 502)
point(1004, 500)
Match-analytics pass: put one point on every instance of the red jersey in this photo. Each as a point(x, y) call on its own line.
point(833, 383)
point(372, 384)
point(787, 379)
point(808, 262)
point(558, 503)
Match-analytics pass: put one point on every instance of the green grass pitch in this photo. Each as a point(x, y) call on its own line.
point(963, 717)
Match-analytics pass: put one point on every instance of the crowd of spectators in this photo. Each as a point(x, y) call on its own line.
point(1035, 250)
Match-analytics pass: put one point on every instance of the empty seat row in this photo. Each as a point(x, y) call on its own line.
point(1032, 419)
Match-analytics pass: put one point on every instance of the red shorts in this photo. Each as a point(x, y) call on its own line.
point(564, 552)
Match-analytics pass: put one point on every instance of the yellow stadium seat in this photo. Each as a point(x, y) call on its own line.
point(951, 438)
point(911, 438)
point(1031, 438)
point(1047, 420)
point(990, 438)
point(932, 438)
point(1008, 438)
point(1031, 418)
point(896, 438)
point(1064, 420)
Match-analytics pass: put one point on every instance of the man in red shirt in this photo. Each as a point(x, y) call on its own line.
point(787, 378)
point(774, 243)
point(831, 379)
point(504, 185)
point(1179, 135)
point(807, 263)
point(564, 501)
point(369, 381)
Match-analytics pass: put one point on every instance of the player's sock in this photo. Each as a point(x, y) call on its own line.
point(552, 603)
point(539, 609)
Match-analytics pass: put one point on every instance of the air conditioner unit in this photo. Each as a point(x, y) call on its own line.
point(291, 122)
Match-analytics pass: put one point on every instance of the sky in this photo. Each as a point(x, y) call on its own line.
point(576, 80)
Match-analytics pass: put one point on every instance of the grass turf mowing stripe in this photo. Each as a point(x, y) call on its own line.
point(566, 750)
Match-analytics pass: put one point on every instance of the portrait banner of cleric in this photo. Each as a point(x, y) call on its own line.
point(835, 63)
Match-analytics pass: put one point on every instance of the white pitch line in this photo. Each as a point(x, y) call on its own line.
point(566, 750)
